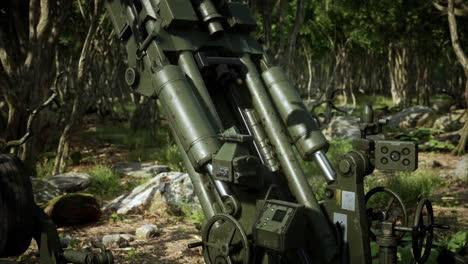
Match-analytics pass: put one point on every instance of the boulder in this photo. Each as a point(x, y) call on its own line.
point(461, 169)
point(171, 188)
point(147, 232)
point(441, 106)
point(117, 241)
point(450, 122)
point(412, 117)
point(140, 170)
point(73, 209)
point(70, 182)
point(343, 127)
point(43, 190)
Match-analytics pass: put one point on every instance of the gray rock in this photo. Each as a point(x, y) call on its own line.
point(117, 241)
point(140, 170)
point(441, 106)
point(70, 182)
point(449, 122)
point(173, 188)
point(343, 127)
point(461, 169)
point(147, 232)
point(43, 190)
point(413, 117)
point(66, 242)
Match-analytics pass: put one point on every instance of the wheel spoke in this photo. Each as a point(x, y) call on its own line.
point(390, 203)
point(232, 235)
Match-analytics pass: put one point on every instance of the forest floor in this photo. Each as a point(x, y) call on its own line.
point(176, 232)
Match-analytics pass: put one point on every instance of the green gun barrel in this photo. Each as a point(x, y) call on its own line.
point(186, 115)
point(302, 127)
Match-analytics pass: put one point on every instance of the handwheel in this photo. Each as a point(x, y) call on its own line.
point(16, 207)
point(423, 231)
point(386, 213)
point(219, 248)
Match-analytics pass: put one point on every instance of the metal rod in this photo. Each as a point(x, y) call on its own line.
point(325, 166)
point(189, 67)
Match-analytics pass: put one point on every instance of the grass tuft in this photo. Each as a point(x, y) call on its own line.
point(105, 182)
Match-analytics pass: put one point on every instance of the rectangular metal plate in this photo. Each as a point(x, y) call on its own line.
point(396, 155)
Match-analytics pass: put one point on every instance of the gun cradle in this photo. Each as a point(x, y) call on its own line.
point(236, 118)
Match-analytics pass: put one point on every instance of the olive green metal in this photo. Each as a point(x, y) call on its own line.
point(225, 241)
point(190, 68)
point(280, 226)
point(388, 243)
point(210, 16)
point(302, 127)
point(182, 108)
point(396, 155)
point(201, 183)
point(258, 132)
point(345, 205)
point(367, 114)
point(215, 95)
point(300, 188)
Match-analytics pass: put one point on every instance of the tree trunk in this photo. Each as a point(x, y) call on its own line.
point(300, 15)
point(398, 60)
point(462, 147)
point(77, 109)
point(28, 35)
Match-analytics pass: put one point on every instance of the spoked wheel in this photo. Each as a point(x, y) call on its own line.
point(224, 241)
point(16, 207)
point(388, 211)
point(423, 231)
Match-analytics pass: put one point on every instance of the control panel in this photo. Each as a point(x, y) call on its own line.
point(396, 155)
point(280, 226)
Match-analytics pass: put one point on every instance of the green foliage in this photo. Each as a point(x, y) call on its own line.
point(410, 186)
point(104, 182)
point(114, 217)
point(458, 241)
point(195, 216)
point(144, 146)
point(428, 137)
point(44, 168)
point(122, 136)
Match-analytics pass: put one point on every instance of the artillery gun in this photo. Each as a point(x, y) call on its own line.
point(240, 124)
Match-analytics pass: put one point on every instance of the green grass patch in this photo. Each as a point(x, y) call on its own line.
point(143, 146)
point(105, 182)
point(45, 164)
point(410, 186)
point(122, 136)
point(195, 216)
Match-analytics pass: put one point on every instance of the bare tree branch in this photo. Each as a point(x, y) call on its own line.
point(29, 134)
point(45, 22)
point(80, 6)
point(454, 36)
point(457, 11)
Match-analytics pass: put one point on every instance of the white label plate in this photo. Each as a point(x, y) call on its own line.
point(348, 200)
point(343, 220)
